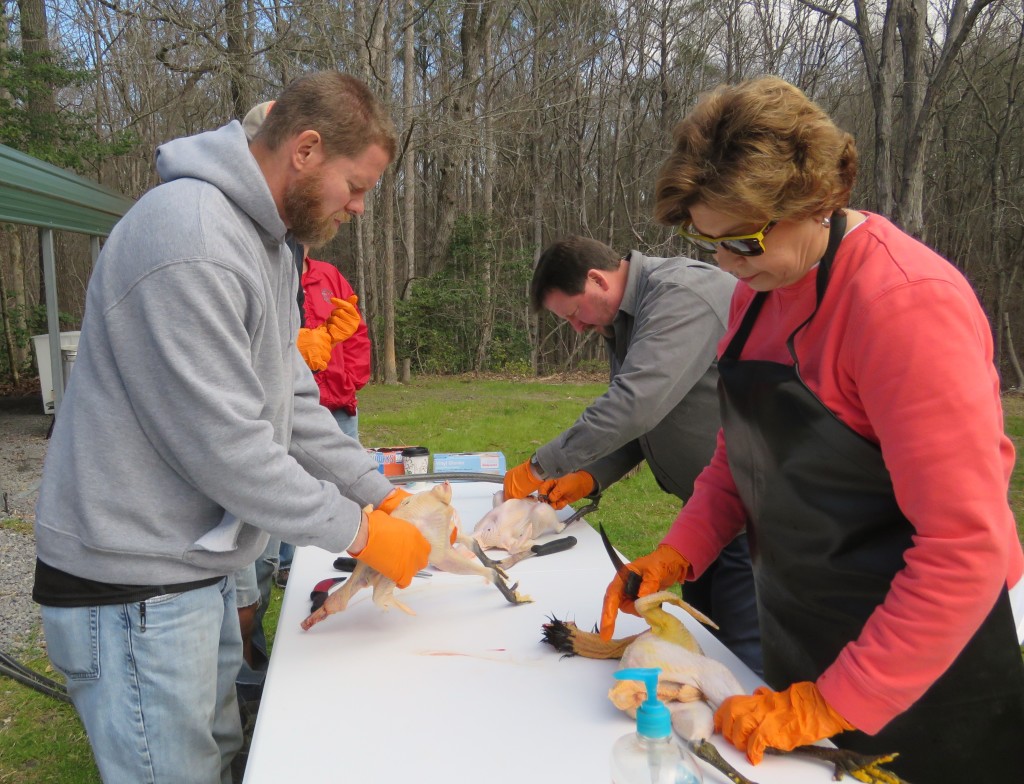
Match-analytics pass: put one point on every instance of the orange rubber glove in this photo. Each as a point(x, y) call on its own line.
point(393, 499)
point(344, 320)
point(569, 489)
point(521, 481)
point(658, 570)
point(394, 547)
point(780, 719)
point(315, 347)
point(391, 502)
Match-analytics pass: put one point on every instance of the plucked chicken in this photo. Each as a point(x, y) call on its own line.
point(515, 525)
point(431, 511)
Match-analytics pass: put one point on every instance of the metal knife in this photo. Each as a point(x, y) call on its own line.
point(554, 546)
point(631, 578)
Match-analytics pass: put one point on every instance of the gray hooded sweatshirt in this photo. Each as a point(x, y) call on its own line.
point(191, 427)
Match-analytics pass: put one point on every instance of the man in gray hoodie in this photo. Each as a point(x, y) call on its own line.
point(661, 320)
point(192, 431)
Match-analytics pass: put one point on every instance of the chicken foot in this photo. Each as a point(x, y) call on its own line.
point(862, 767)
point(707, 752)
point(491, 570)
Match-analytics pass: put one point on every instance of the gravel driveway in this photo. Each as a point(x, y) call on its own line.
point(23, 429)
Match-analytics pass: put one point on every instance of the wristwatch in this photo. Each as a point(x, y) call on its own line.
point(539, 472)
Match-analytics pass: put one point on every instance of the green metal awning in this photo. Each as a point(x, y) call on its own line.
point(40, 194)
point(36, 193)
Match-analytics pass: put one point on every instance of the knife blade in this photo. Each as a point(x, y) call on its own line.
point(631, 578)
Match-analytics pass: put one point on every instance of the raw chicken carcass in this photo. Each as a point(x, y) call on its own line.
point(691, 685)
point(515, 525)
point(433, 514)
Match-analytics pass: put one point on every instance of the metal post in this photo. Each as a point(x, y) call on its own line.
point(52, 315)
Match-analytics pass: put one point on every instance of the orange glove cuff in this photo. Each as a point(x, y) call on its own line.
point(392, 500)
point(394, 547)
point(315, 347)
point(344, 319)
point(520, 481)
point(569, 489)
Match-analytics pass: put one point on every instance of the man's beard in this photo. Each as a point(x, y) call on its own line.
point(302, 210)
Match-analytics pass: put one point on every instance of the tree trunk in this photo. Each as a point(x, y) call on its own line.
point(1011, 352)
point(489, 165)
point(455, 154)
point(239, 52)
point(409, 155)
point(14, 360)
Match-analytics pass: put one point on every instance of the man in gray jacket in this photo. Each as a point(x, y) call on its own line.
point(192, 431)
point(661, 320)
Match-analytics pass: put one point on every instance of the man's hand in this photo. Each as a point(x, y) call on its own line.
point(344, 320)
point(521, 481)
point(394, 547)
point(779, 719)
point(658, 570)
point(393, 499)
point(315, 347)
point(569, 489)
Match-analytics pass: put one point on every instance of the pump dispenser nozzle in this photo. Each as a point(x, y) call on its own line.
point(653, 719)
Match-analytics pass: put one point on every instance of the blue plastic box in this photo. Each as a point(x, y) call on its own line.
point(476, 462)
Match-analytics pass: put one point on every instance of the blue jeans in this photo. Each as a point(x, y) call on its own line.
point(156, 691)
point(349, 424)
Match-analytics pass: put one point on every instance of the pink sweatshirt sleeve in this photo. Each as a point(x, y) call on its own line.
point(930, 394)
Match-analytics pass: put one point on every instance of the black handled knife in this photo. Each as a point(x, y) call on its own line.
point(554, 546)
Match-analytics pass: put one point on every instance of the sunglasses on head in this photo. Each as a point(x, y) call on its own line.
point(740, 244)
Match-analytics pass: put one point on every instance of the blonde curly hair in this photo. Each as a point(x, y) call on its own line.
point(761, 149)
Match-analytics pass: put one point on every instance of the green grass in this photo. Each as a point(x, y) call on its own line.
point(42, 740)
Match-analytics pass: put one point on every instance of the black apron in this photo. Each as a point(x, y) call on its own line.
point(826, 539)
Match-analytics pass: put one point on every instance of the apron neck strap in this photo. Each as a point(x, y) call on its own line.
point(835, 235)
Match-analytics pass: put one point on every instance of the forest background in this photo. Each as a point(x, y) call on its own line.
point(521, 121)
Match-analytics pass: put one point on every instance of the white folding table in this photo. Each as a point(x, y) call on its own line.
point(464, 691)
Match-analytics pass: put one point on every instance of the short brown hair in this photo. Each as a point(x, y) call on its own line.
point(341, 108)
point(564, 264)
point(760, 148)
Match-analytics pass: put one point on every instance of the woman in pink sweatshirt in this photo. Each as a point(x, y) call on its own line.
point(862, 448)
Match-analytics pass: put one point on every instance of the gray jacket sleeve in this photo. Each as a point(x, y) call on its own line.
point(674, 341)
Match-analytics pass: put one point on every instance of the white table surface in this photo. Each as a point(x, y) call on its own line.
point(464, 691)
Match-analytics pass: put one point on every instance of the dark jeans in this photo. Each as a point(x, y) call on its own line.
point(725, 593)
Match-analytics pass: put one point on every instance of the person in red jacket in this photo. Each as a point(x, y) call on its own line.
point(348, 369)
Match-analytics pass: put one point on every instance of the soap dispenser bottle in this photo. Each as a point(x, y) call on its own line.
point(651, 755)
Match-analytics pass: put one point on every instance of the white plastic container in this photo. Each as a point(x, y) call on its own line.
point(41, 345)
point(651, 755)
